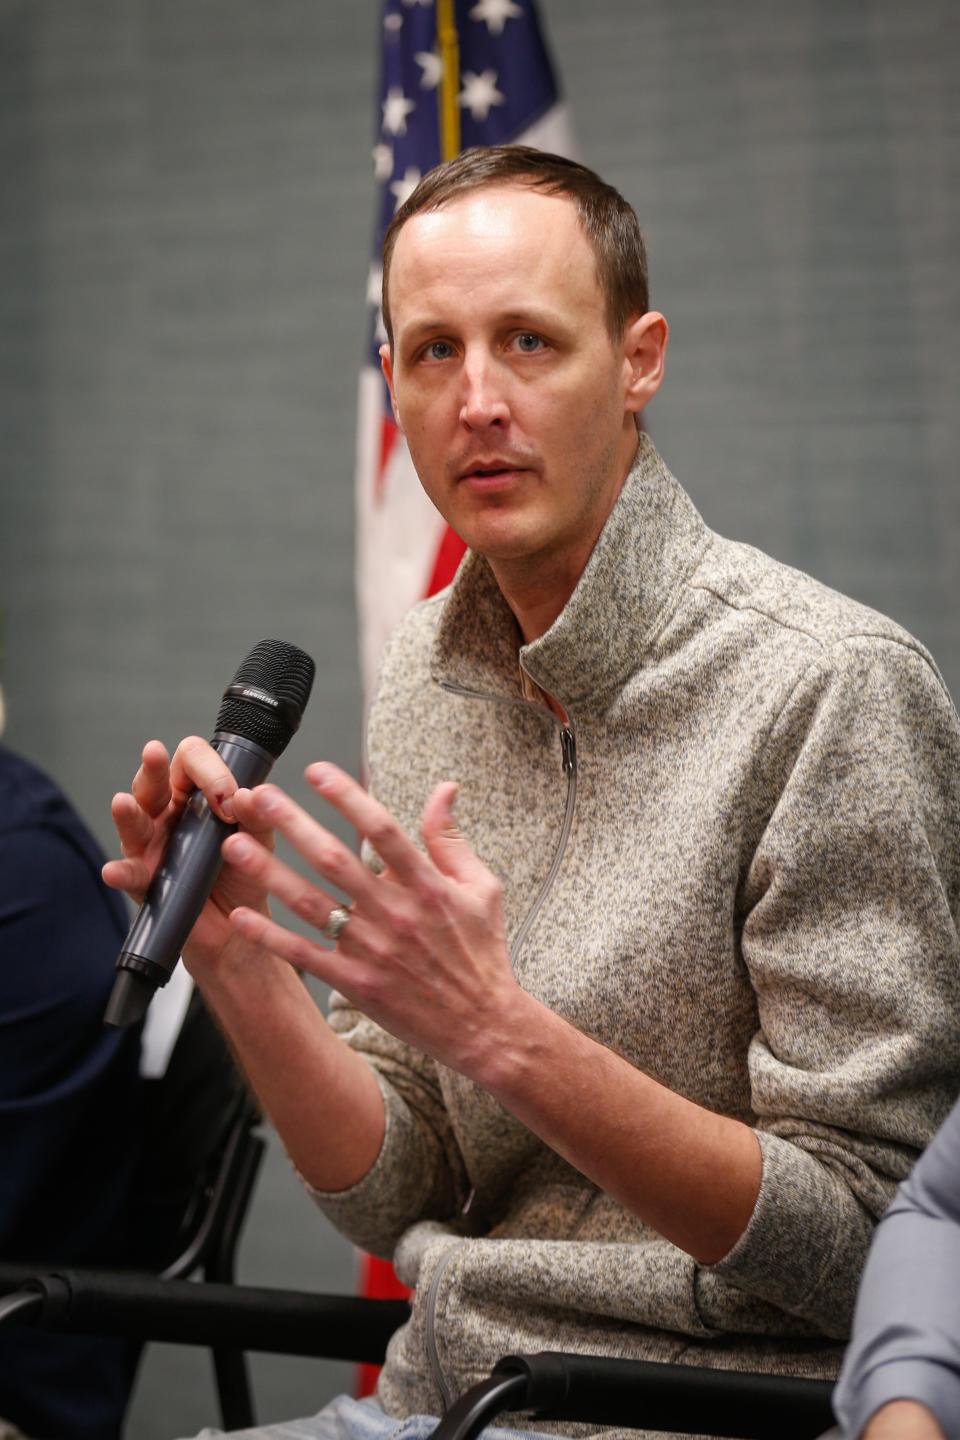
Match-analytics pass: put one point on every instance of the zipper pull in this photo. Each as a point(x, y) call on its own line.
point(569, 747)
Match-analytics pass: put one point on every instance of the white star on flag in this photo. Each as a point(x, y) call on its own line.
point(432, 67)
point(480, 93)
point(404, 188)
point(383, 161)
point(496, 13)
point(392, 23)
point(396, 108)
point(375, 285)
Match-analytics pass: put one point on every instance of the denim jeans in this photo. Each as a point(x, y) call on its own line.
point(349, 1419)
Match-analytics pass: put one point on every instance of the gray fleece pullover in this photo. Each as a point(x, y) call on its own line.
point(739, 869)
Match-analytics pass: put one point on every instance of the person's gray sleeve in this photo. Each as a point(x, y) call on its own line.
point(850, 939)
point(906, 1331)
point(419, 1173)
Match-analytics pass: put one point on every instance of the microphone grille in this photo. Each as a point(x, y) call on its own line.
point(282, 674)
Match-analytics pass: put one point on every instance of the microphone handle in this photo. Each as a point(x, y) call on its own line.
point(180, 887)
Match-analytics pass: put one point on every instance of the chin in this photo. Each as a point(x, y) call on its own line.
point(499, 534)
point(496, 543)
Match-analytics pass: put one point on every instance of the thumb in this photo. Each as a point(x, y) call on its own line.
point(445, 845)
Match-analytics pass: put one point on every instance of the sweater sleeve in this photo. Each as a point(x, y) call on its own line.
point(419, 1173)
point(850, 939)
point(906, 1331)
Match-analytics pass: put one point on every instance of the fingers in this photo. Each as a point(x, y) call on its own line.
point(445, 845)
point(298, 894)
point(247, 810)
point(309, 901)
point(269, 806)
point(151, 784)
point(371, 819)
point(132, 876)
point(133, 824)
point(300, 952)
point(196, 765)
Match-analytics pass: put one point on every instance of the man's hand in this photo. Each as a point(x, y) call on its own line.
point(424, 952)
point(903, 1420)
point(285, 1046)
point(145, 816)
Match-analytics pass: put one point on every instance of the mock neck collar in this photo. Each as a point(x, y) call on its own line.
point(630, 586)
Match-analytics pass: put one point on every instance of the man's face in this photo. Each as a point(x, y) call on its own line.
point(516, 404)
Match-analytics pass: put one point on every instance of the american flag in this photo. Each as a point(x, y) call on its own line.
point(504, 91)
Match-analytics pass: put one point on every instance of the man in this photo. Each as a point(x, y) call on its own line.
point(630, 1055)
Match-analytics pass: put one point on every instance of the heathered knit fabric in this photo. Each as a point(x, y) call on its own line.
point(756, 904)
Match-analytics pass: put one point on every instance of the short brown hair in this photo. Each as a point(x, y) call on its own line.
point(610, 224)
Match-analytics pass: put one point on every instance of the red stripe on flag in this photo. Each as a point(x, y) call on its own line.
point(377, 1282)
point(449, 555)
point(388, 438)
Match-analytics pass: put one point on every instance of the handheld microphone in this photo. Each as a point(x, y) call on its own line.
point(260, 712)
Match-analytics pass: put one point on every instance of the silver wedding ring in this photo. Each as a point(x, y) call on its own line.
point(335, 923)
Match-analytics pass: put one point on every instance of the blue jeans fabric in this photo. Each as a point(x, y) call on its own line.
point(348, 1419)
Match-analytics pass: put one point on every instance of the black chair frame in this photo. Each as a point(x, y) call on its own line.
point(676, 1399)
point(210, 1236)
point(639, 1394)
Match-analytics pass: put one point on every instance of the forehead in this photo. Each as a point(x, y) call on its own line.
point(494, 247)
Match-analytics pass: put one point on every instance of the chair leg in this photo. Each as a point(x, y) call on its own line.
point(233, 1389)
point(232, 1371)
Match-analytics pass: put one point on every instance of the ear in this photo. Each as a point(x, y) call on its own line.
point(644, 353)
point(386, 365)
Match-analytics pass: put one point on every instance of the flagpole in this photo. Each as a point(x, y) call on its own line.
point(449, 46)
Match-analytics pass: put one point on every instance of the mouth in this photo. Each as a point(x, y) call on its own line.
point(490, 474)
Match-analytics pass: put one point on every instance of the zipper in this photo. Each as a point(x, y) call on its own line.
point(568, 751)
point(467, 694)
point(568, 748)
point(433, 1354)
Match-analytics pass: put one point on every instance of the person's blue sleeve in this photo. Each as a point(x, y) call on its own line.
point(69, 1102)
point(64, 1101)
point(906, 1331)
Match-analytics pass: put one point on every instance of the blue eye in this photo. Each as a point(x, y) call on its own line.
point(529, 343)
point(438, 350)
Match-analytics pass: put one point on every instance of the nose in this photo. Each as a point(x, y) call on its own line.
point(484, 401)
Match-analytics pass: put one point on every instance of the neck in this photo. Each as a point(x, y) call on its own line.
point(535, 595)
point(537, 587)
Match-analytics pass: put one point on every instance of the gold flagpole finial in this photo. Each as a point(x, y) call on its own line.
point(449, 46)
